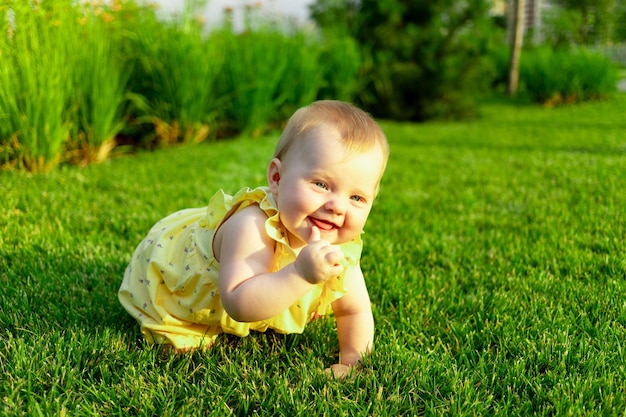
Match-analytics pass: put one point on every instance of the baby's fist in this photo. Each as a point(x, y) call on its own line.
point(319, 260)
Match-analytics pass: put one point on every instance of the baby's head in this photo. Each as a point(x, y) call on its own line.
point(356, 129)
point(326, 171)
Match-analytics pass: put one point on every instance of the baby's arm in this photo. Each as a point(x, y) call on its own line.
point(355, 323)
point(248, 291)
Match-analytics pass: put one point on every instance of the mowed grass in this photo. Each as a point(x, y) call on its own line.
point(495, 258)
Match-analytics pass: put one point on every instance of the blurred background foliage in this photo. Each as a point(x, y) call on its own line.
point(80, 81)
point(424, 59)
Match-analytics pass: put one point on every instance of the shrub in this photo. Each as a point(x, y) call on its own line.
point(423, 59)
point(581, 22)
point(572, 75)
point(500, 60)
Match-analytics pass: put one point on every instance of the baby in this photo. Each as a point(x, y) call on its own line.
point(273, 257)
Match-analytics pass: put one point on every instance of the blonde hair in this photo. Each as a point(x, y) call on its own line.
point(357, 130)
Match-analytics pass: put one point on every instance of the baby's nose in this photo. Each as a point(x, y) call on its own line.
point(336, 204)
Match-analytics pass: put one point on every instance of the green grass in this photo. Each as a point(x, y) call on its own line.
point(495, 258)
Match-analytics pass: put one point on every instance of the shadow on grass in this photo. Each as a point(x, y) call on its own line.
point(52, 288)
point(58, 292)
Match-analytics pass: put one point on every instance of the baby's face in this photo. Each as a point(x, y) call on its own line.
point(321, 184)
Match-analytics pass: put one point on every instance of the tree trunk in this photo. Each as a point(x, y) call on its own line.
point(516, 45)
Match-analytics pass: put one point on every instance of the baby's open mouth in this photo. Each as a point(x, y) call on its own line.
point(323, 224)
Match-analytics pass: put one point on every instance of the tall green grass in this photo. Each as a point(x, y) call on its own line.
point(63, 84)
point(253, 73)
point(342, 60)
point(100, 73)
point(174, 78)
point(494, 257)
point(272, 71)
point(79, 78)
point(560, 76)
point(35, 88)
point(567, 76)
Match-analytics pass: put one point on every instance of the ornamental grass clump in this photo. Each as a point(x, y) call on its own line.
point(35, 89)
point(174, 75)
point(555, 77)
point(100, 82)
point(257, 62)
point(341, 60)
point(63, 83)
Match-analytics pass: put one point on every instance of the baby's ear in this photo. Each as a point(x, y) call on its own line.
point(273, 175)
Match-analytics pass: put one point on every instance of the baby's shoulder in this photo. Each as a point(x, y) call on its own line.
point(247, 215)
point(245, 225)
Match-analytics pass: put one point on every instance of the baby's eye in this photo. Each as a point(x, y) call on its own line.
point(357, 198)
point(321, 185)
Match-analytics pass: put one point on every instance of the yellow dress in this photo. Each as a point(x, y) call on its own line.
point(171, 283)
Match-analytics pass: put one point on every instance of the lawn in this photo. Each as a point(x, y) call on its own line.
point(495, 257)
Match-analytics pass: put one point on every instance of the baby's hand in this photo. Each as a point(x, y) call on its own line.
point(319, 260)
